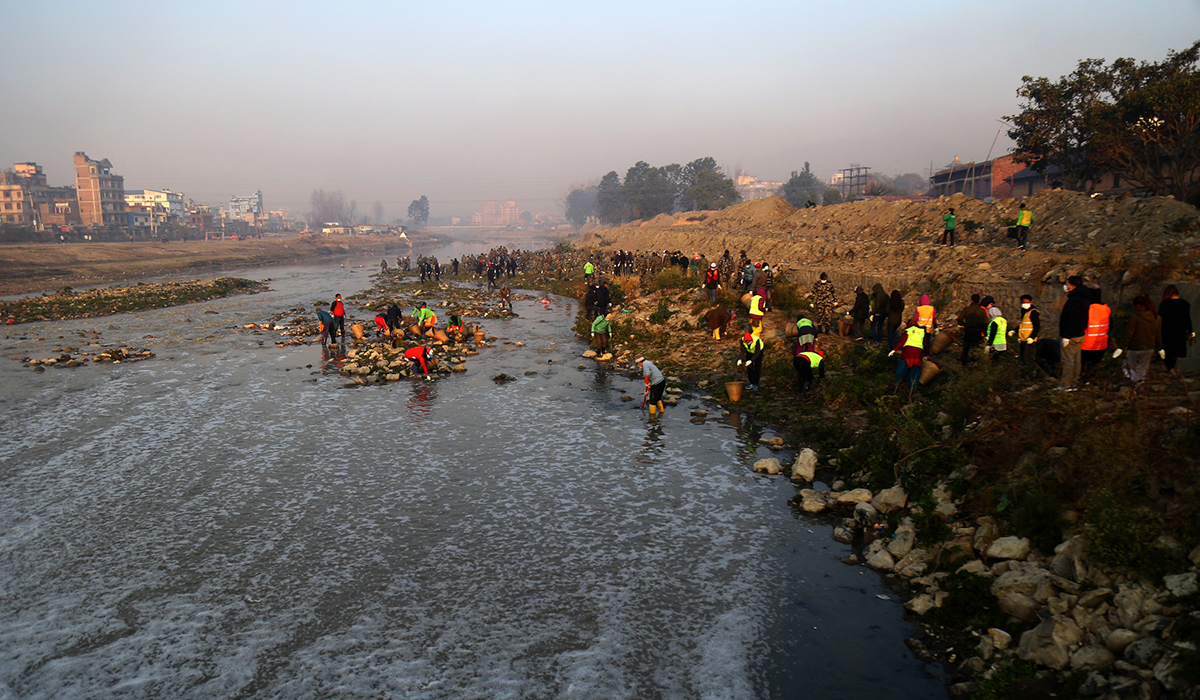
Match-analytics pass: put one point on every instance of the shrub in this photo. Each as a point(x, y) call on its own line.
point(662, 314)
point(671, 278)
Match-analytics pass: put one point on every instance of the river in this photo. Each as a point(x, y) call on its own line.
point(226, 520)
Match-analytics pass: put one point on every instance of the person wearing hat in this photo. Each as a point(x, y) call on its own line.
point(655, 384)
point(712, 282)
point(417, 356)
point(752, 349)
point(911, 347)
point(770, 273)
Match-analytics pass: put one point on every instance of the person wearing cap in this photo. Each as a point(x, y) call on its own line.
point(756, 313)
point(417, 356)
point(822, 299)
point(752, 357)
point(655, 384)
point(747, 276)
point(860, 311)
point(712, 282)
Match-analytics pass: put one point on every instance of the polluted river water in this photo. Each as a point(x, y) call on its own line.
point(228, 520)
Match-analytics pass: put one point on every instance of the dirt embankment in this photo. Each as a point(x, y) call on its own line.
point(43, 267)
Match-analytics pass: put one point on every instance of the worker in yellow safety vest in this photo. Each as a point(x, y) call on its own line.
point(1027, 331)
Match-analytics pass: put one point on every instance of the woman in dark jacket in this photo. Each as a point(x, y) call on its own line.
point(1142, 339)
point(1177, 330)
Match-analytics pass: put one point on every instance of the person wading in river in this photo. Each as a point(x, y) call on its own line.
point(655, 384)
point(339, 317)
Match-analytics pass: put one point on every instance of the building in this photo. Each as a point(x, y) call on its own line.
point(753, 188)
point(101, 193)
point(32, 202)
point(167, 202)
point(247, 204)
point(498, 214)
point(992, 179)
point(201, 218)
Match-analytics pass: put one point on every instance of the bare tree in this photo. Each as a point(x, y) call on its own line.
point(377, 210)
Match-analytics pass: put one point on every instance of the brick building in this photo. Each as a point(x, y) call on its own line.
point(989, 179)
point(498, 214)
point(101, 193)
point(26, 199)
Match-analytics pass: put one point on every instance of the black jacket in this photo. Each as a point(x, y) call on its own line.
point(1073, 321)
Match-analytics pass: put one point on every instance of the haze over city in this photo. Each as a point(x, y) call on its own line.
point(468, 101)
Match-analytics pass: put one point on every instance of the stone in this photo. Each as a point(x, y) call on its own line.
point(1194, 557)
point(945, 501)
point(976, 567)
point(843, 534)
point(1015, 589)
point(903, 541)
point(889, 500)
point(942, 418)
point(805, 466)
point(770, 466)
point(1068, 560)
point(1181, 585)
point(881, 560)
point(985, 533)
point(592, 353)
point(1049, 644)
point(1095, 684)
point(973, 666)
point(1145, 652)
point(1130, 689)
point(1166, 669)
point(1128, 606)
point(1001, 640)
point(1119, 639)
point(1091, 657)
point(920, 604)
point(1009, 548)
point(851, 497)
point(1094, 597)
point(913, 558)
point(865, 515)
point(702, 413)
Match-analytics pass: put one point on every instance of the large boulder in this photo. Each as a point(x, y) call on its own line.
point(769, 466)
point(914, 564)
point(1091, 657)
point(848, 498)
point(879, 558)
point(1145, 652)
point(1119, 639)
point(865, 515)
point(1009, 548)
point(1127, 606)
point(889, 500)
point(1068, 560)
point(902, 543)
point(805, 466)
point(1051, 643)
point(1015, 590)
point(1181, 585)
point(813, 501)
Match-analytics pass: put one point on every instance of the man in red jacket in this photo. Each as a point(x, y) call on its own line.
point(339, 318)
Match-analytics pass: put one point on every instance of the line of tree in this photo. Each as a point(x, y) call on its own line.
point(1140, 120)
point(418, 212)
point(648, 191)
point(329, 207)
point(805, 189)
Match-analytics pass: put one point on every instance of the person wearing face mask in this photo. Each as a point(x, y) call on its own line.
point(1072, 326)
point(1027, 331)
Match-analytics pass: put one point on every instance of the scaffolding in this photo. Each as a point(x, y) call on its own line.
point(854, 180)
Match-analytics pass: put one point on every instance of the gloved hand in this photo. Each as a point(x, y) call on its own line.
point(1011, 333)
point(1030, 341)
point(891, 353)
point(1117, 353)
point(1162, 354)
point(739, 364)
point(1066, 342)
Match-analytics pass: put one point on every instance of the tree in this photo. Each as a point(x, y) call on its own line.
point(418, 212)
point(610, 199)
point(704, 186)
point(377, 210)
point(352, 213)
point(1092, 120)
point(802, 187)
point(326, 207)
point(581, 205)
point(910, 184)
point(832, 196)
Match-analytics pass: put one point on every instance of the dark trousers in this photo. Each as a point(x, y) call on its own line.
point(877, 324)
point(1022, 236)
point(339, 327)
point(948, 233)
point(754, 371)
point(971, 340)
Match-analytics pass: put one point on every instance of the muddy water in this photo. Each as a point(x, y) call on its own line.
point(225, 521)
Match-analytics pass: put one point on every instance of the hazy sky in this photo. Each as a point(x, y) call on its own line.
point(468, 101)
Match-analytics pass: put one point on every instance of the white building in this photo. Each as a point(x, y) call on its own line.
point(168, 201)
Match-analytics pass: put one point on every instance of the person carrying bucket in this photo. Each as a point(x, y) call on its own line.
point(324, 324)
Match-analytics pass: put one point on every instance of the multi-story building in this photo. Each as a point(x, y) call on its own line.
point(989, 179)
point(26, 199)
point(101, 193)
point(498, 214)
point(16, 202)
point(753, 188)
point(247, 204)
point(168, 202)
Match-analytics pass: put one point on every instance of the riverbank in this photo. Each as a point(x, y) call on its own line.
point(1047, 539)
point(30, 268)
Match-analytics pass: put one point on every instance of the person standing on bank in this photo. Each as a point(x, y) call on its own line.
point(712, 282)
point(1177, 329)
point(655, 384)
point(974, 322)
point(1029, 328)
point(823, 297)
point(1072, 327)
point(1095, 339)
point(1142, 339)
point(752, 357)
point(339, 318)
point(879, 312)
point(1024, 221)
point(859, 313)
point(895, 316)
point(950, 221)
